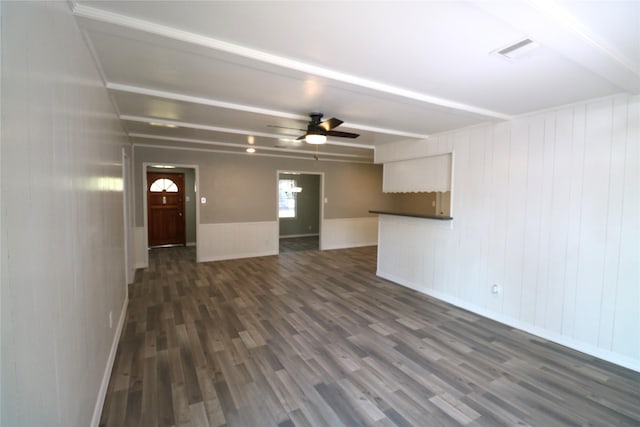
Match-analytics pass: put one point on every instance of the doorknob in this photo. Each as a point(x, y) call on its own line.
point(180, 213)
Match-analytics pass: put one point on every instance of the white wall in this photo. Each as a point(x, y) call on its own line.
point(545, 206)
point(237, 240)
point(62, 230)
point(349, 232)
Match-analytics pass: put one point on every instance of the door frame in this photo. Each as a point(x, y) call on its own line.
point(145, 167)
point(321, 191)
point(127, 186)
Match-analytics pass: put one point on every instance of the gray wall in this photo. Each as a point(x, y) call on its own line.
point(307, 220)
point(422, 203)
point(62, 229)
point(243, 187)
point(190, 199)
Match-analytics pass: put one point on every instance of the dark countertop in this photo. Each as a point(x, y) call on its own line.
point(414, 215)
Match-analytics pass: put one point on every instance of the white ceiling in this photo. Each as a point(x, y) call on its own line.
point(227, 71)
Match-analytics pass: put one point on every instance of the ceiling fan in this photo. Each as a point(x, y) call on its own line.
point(317, 130)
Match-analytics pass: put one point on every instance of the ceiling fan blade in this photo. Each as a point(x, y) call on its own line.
point(342, 134)
point(301, 137)
point(330, 124)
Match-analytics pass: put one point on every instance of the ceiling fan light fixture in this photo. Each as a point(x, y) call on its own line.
point(315, 138)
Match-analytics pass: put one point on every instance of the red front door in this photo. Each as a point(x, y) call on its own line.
point(165, 207)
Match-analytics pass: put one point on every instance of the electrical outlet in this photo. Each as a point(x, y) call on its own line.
point(495, 289)
point(110, 319)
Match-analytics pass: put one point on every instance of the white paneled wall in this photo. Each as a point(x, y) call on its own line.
point(545, 206)
point(62, 221)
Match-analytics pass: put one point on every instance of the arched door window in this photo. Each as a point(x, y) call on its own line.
point(163, 184)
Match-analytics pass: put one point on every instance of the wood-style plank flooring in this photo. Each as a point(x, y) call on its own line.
point(297, 244)
point(316, 339)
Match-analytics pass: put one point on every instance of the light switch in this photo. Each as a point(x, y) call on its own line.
point(203, 200)
point(326, 200)
point(187, 198)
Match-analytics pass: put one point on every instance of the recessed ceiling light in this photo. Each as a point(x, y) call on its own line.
point(518, 49)
point(165, 125)
point(251, 150)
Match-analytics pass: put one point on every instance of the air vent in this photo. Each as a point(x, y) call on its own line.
point(517, 49)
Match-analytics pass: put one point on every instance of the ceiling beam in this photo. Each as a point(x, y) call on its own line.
point(251, 109)
point(244, 146)
point(182, 124)
point(96, 14)
point(316, 157)
point(202, 101)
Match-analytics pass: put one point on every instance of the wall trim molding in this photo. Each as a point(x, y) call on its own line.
point(353, 245)
point(102, 393)
point(605, 355)
point(240, 255)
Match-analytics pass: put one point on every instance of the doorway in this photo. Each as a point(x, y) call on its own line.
point(299, 211)
point(191, 196)
point(165, 209)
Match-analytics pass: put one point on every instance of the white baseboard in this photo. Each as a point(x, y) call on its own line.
point(190, 244)
point(102, 393)
point(237, 256)
point(608, 356)
point(292, 236)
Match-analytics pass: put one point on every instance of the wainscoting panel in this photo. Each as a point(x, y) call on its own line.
point(237, 240)
point(348, 232)
point(140, 247)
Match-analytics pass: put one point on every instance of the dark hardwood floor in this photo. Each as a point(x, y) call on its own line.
point(316, 339)
point(297, 244)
